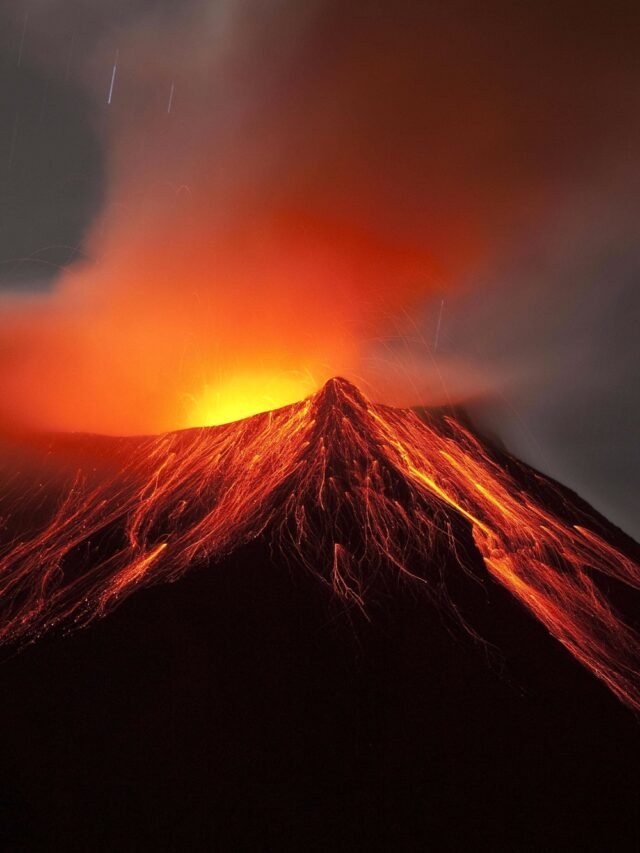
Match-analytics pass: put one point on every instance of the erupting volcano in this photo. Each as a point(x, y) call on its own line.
point(363, 496)
point(317, 334)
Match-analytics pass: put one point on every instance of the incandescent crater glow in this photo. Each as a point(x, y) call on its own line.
point(244, 395)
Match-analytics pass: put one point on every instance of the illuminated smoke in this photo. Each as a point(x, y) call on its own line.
point(295, 189)
point(287, 182)
point(219, 282)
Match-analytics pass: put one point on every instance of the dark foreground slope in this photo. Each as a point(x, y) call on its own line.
point(244, 709)
point(282, 662)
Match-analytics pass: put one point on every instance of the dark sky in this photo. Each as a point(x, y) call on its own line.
point(51, 169)
point(471, 168)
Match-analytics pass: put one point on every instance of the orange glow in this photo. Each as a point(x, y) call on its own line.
point(245, 395)
point(290, 211)
point(183, 326)
point(347, 488)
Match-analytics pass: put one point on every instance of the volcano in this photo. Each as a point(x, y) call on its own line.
point(314, 577)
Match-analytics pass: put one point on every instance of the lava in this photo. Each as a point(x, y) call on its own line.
point(350, 490)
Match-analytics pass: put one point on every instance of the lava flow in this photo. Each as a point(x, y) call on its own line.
point(351, 490)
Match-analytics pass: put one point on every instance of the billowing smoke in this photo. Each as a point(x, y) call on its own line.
point(433, 199)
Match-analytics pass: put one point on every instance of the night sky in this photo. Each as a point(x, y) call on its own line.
point(462, 178)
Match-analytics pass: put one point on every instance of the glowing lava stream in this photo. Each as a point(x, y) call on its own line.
point(346, 487)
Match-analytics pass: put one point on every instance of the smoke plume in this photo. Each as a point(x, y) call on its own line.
point(432, 199)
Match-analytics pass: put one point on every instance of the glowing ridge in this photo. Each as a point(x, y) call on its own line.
point(349, 489)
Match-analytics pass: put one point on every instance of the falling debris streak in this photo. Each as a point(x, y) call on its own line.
point(345, 487)
point(22, 37)
point(170, 104)
point(437, 335)
point(113, 77)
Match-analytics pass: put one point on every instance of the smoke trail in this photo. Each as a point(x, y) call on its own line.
point(290, 184)
point(215, 274)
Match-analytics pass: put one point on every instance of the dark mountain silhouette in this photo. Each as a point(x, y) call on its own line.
point(381, 633)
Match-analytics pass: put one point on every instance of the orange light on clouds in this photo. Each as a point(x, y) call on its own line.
point(186, 324)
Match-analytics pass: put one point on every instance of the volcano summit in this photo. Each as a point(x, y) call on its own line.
point(360, 647)
point(361, 495)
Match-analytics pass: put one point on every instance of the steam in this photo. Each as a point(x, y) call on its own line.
point(432, 201)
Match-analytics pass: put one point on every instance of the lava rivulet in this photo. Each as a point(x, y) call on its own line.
point(351, 490)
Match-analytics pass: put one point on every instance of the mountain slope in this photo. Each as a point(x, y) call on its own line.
point(245, 708)
point(357, 493)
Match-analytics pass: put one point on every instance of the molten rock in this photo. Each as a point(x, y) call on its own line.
point(355, 492)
